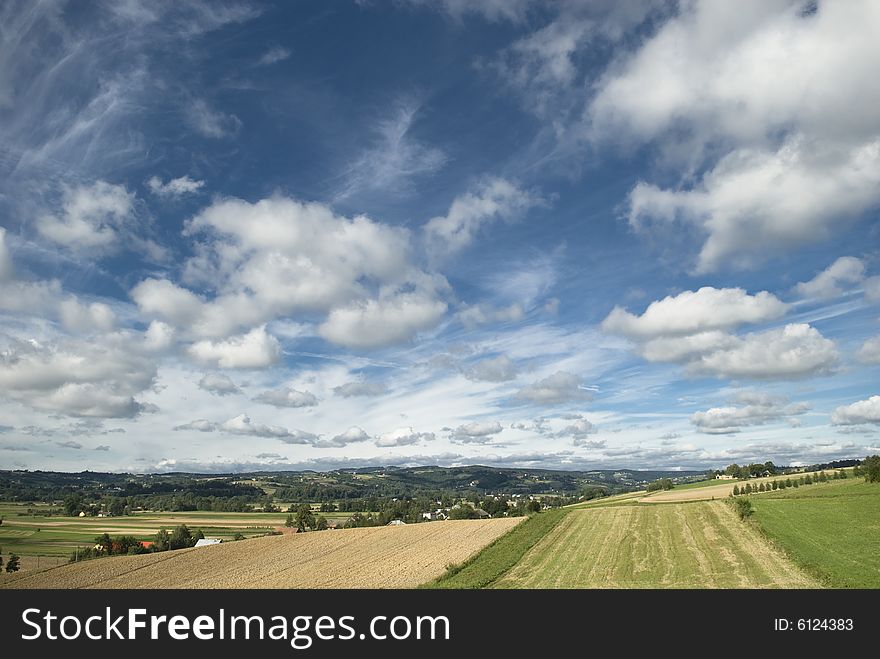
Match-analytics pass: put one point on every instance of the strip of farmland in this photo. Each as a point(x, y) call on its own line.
point(378, 557)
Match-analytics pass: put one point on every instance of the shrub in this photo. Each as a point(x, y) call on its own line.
point(872, 469)
point(743, 507)
point(736, 490)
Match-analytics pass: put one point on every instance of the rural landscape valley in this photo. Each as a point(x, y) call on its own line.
point(798, 528)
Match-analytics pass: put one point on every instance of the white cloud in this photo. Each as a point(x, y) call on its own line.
point(691, 312)
point(274, 55)
point(870, 351)
point(578, 429)
point(91, 217)
point(756, 409)
point(219, 384)
point(210, 122)
point(30, 297)
point(403, 437)
point(682, 349)
point(780, 96)
point(351, 436)
point(494, 369)
point(561, 387)
point(830, 282)
point(871, 287)
point(495, 199)
point(382, 322)
point(794, 351)
point(279, 258)
point(242, 425)
point(482, 314)
point(862, 411)
point(86, 379)
point(476, 432)
point(202, 425)
point(396, 158)
point(352, 389)
point(287, 397)
point(159, 336)
point(255, 349)
point(165, 299)
point(174, 188)
point(78, 317)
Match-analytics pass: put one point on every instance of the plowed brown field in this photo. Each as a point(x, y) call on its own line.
point(381, 557)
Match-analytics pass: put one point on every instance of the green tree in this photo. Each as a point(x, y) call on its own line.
point(162, 541)
point(872, 469)
point(304, 517)
point(533, 506)
point(823, 477)
point(808, 480)
point(182, 537)
point(289, 521)
point(748, 488)
point(843, 473)
point(857, 471)
point(238, 536)
point(321, 523)
point(761, 488)
point(12, 565)
point(200, 535)
point(788, 482)
point(736, 490)
point(795, 483)
point(775, 485)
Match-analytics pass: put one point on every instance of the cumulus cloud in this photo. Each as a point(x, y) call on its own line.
point(482, 314)
point(218, 384)
point(255, 349)
point(496, 199)
point(78, 317)
point(862, 411)
point(494, 369)
point(577, 430)
point(382, 322)
point(158, 337)
point(81, 379)
point(476, 432)
point(798, 150)
point(870, 351)
point(91, 217)
point(832, 281)
point(403, 437)
point(790, 352)
point(352, 389)
point(756, 409)
point(287, 397)
point(279, 258)
point(351, 436)
point(173, 188)
point(242, 425)
point(202, 425)
point(691, 312)
point(561, 387)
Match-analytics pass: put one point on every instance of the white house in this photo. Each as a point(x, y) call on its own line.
point(205, 542)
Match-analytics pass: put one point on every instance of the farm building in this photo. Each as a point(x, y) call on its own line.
point(396, 522)
point(206, 542)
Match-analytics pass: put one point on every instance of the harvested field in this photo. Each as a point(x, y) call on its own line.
point(693, 545)
point(720, 491)
point(378, 557)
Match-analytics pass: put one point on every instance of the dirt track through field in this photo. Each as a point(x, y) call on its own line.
point(380, 557)
point(692, 545)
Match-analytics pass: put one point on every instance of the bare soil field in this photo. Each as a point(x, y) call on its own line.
point(693, 545)
point(378, 557)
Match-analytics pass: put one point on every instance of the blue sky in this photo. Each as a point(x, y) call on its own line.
point(314, 235)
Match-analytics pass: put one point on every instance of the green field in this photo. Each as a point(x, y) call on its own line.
point(833, 531)
point(686, 545)
point(40, 535)
point(501, 555)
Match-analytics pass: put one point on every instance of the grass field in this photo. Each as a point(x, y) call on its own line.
point(501, 555)
point(39, 535)
point(694, 545)
point(377, 557)
point(832, 530)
